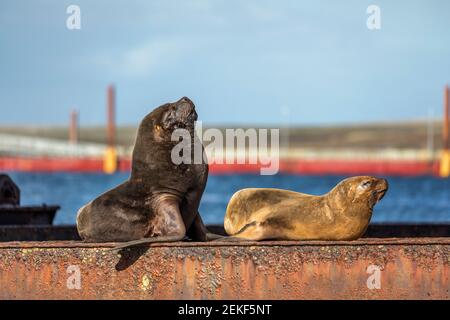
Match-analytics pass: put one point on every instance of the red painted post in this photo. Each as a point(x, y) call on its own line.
point(110, 158)
point(445, 129)
point(444, 167)
point(111, 127)
point(73, 129)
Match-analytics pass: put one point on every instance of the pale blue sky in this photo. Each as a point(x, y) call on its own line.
point(239, 61)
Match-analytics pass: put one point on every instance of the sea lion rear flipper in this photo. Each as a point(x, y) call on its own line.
point(148, 240)
point(212, 236)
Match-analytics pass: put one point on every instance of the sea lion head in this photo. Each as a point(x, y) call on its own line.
point(154, 142)
point(359, 192)
point(157, 126)
point(171, 116)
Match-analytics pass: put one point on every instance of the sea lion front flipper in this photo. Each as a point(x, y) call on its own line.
point(244, 203)
point(168, 224)
point(148, 241)
point(199, 232)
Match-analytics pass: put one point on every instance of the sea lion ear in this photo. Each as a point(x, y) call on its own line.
point(365, 184)
point(361, 188)
point(358, 190)
point(166, 119)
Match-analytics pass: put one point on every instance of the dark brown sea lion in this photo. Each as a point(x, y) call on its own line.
point(342, 214)
point(160, 200)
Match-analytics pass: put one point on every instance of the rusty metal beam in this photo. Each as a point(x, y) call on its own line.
point(408, 269)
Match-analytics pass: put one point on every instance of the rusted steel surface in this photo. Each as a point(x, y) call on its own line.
point(407, 269)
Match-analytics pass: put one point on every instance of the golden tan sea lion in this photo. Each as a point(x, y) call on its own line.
point(342, 214)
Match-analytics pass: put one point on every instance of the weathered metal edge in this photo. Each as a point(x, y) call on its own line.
point(365, 241)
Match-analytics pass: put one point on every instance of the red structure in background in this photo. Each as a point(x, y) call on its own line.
point(306, 167)
point(47, 164)
point(111, 130)
point(445, 129)
point(73, 128)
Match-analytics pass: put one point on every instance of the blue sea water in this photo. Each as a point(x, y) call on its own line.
point(409, 199)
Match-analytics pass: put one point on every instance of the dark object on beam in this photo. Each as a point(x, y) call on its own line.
point(38, 233)
point(402, 230)
point(27, 215)
point(9, 191)
point(69, 232)
point(12, 213)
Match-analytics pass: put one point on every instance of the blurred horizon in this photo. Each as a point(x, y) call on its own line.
point(241, 62)
point(435, 121)
point(399, 135)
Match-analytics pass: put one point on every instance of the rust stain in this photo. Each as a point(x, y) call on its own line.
point(410, 269)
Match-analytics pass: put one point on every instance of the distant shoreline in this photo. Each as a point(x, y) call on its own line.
point(401, 135)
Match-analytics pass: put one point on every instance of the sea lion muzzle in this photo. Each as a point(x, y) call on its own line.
point(182, 114)
point(380, 189)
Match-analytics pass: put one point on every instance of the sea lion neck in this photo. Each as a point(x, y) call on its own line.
point(335, 198)
point(343, 199)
